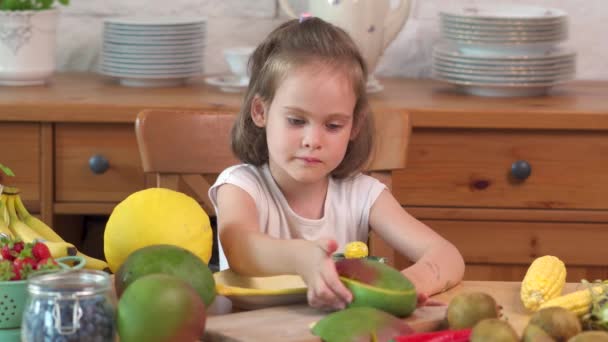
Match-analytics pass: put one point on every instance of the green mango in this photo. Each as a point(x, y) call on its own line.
point(160, 308)
point(167, 259)
point(375, 284)
point(360, 324)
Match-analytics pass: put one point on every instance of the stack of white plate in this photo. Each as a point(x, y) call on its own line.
point(153, 52)
point(504, 51)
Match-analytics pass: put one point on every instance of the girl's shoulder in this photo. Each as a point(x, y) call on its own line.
point(245, 176)
point(359, 180)
point(241, 171)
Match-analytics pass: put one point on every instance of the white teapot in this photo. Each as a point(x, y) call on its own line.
point(371, 23)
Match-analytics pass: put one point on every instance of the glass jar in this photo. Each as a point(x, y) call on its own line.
point(70, 306)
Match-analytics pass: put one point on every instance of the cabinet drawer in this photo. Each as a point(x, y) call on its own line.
point(20, 144)
point(75, 144)
point(472, 168)
point(510, 243)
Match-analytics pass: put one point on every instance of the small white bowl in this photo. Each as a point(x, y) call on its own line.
point(237, 59)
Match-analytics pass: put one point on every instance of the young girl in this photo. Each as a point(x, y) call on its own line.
point(304, 133)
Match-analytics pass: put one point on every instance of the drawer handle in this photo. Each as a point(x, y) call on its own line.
point(521, 169)
point(98, 164)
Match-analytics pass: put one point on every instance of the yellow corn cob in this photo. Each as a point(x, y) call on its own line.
point(578, 302)
point(544, 280)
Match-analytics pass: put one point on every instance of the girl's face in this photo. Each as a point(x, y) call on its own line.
point(308, 123)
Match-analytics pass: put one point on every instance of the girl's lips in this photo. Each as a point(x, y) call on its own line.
point(310, 160)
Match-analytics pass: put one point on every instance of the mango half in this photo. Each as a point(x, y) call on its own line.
point(360, 325)
point(377, 285)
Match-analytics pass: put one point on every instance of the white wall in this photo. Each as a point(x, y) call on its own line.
point(242, 22)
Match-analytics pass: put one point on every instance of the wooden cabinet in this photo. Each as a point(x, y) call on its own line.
point(96, 163)
point(459, 178)
point(464, 183)
point(475, 168)
point(20, 150)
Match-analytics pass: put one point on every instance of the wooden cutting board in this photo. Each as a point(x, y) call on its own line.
point(292, 323)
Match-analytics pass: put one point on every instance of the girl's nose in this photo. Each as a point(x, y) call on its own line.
point(312, 138)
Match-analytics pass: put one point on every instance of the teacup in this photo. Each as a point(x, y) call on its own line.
point(238, 59)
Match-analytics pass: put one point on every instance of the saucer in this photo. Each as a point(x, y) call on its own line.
point(373, 85)
point(228, 83)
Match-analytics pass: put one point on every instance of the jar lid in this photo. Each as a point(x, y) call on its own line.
point(70, 283)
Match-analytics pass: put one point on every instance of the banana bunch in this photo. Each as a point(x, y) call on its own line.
point(16, 221)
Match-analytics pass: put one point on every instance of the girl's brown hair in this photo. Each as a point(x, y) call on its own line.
point(291, 45)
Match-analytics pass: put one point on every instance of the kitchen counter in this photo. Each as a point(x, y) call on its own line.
point(291, 323)
point(87, 97)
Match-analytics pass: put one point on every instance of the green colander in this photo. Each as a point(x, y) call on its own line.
point(14, 293)
point(12, 301)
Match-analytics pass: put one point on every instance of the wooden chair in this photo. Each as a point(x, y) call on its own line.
point(186, 151)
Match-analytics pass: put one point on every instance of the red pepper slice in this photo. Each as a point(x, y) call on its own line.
point(437, 336)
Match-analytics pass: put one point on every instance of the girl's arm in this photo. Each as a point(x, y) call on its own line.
point(250, 252)
point(438, 264)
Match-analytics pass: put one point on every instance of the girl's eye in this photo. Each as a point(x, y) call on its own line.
point(295, 121)
point(333, 126)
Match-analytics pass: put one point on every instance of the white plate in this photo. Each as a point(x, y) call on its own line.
point(155, 21)
point(154, 31)
point(152, 67)
point(504, 34)
point(153, 43)
point(148, 75)
point(152, 38)
point(550, 53)
point(500, 28)
point(492, 67)
point(503, 40)
point(530, 25)
point(556, 63)
point(507, 72)
point(154, 55)
point(502, 90)
point(170, 60)
point(228, 83)
point(505, 12)
point(152, 50)
point(503, 79)
point(151, 73)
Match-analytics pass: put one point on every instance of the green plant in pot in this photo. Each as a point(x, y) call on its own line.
point(27, 41)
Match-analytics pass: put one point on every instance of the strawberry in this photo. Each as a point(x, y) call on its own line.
point(23, 266)
point(6, 270)
point(40, 251)
point(18, 246)
point(47, 264)
point(6, 254)
point(11, 249)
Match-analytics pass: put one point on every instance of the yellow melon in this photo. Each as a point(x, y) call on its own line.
point(156, 216)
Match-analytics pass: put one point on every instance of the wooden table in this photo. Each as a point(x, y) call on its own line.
point(291, 323)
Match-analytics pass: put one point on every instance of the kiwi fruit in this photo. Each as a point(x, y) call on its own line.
point(533, 333)
point(495, 330)
point(557, 322)
point(590, 336)
point(467, 309)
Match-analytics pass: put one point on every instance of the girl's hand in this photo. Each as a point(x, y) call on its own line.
point(325, 290)
point(423, 300)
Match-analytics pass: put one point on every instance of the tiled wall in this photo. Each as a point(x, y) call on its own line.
point(246, 22)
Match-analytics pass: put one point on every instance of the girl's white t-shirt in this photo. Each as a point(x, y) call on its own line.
point(346, 213)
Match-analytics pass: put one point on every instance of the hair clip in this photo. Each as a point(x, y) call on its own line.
point(305, 16)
